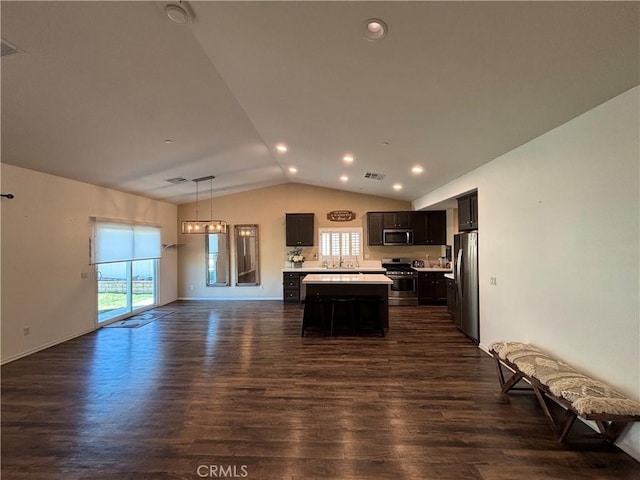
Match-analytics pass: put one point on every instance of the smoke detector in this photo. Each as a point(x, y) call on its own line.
point(177, 13)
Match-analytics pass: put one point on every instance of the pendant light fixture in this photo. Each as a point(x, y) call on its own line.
point(198, 226)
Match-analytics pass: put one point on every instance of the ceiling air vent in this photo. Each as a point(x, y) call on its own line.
point(177, 180)
point(7, 49)
point(374, 176)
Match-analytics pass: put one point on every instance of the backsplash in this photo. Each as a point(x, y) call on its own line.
point(426, 253)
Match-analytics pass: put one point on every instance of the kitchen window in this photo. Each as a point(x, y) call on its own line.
point(340, 242)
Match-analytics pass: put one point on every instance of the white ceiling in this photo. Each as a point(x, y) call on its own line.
point(98, 87)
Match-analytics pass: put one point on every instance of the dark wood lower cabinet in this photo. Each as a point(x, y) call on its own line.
point(338, 290)
point(291, 287)
point(432, 288)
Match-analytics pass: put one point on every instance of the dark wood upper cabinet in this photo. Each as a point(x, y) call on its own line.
point(468, 212)
point(300, 229)
point(397, 219)
point(374, 228)
point(430, 228)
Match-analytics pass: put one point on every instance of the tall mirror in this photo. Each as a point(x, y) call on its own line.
point(217, 247)
point(247, 266)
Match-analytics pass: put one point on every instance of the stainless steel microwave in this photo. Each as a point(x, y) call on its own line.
point(397, 236)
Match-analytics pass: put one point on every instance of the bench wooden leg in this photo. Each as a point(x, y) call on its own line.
point(498, 368)
point(545, 408)
point(610, 430)
point(509, 384)
point(560, 428)
point(563, 429)
point(506, 386)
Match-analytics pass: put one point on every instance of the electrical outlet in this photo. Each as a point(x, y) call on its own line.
point(26, 331)
point(191, 287)
point(493, 281)
point(84, 275)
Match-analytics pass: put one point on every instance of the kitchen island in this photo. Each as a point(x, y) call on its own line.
point(361, 286)
point(293, 289)
point(346, 279)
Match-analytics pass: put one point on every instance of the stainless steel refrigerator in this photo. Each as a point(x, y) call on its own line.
point(465, 247)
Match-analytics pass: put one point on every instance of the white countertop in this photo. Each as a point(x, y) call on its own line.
point(354, 279)
point(432, 269)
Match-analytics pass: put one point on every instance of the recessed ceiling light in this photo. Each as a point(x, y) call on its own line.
point(293, 169)
point(417, 169)
point(282, 148)
point(348, 158)
point(375, 29)
point(397, 186)
point(344, 178)
point(168, 140)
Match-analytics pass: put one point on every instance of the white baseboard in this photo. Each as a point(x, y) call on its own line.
point(230, 298)
point(46, 345)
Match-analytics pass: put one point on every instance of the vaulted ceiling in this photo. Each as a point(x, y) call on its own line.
point(97, 89)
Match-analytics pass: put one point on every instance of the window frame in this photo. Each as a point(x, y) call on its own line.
point(342, 230)
point(129, 309)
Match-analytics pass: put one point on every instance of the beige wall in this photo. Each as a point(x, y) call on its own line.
point(266, 208)
point(45, 249)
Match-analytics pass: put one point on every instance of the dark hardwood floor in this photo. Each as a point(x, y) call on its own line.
point(230, 390)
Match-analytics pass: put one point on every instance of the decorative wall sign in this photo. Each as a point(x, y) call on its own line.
point(341, 216)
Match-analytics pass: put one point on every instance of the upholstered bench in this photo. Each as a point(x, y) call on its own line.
point(579, 394)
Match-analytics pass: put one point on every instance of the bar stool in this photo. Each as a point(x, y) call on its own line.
point(375, 302)
point(311, 304)
point(348, 305)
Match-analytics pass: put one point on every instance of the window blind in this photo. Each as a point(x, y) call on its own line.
point(121, 242)
point(338, 242)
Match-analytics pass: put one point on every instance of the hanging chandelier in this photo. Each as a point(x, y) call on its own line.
point(198, 226)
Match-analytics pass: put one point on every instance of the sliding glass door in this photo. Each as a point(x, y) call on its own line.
point(125, 287)
point(126, 258)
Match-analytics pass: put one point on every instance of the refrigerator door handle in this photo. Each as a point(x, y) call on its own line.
point(458, 272)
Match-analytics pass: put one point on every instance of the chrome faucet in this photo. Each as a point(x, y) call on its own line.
point(341, 261)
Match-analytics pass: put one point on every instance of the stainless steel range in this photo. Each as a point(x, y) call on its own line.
point(404, 290)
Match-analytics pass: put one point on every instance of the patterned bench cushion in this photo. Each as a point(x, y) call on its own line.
point(586, 395)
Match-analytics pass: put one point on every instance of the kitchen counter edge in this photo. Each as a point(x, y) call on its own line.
point(334, 270)
point(432, 269)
